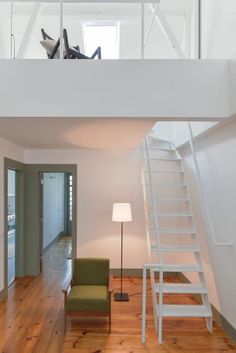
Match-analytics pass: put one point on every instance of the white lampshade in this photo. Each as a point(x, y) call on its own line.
point(121, 212)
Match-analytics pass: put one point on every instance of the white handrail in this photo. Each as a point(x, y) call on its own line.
point(152, 277)
point(151, 267)
point(146, 214)
point(153, 200)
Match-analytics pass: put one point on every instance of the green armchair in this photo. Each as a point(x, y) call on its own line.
point(90, 289)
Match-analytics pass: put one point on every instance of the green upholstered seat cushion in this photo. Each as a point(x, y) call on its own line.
point(88, 298)
point(91, 271)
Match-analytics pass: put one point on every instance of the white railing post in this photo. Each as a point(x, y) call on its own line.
point(151, 267)
point(61, 51)
point(146, 214)
point(144, 301)
point(160, 305)
point(142, 28)
point(12, 37)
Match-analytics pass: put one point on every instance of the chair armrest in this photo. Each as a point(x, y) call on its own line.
point(66, 285)
point(110, 289)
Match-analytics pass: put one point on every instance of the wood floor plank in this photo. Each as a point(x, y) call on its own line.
point(31, 319)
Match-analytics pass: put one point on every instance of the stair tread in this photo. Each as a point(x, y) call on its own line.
point(177, 248)
point(159, 148)
point(164, 159)
point(172, 199)
point(168, 185)
point(182, 268)
point(165, 171)
point(168, 199)
point(174, 231)
point(185, 310)
point(174, 214)
point(182, 288)
point(177, 231)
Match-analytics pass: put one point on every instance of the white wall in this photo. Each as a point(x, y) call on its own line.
point(216, 158)
point(104, 177)
point(218, 28)
point(53, 206)
point(12, 151)
point(164, 89)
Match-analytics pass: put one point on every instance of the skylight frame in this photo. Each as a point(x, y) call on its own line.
point(103, 23)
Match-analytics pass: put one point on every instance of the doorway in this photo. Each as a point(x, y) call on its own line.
point(56, 212)
point(56, 215)
point(34, 248)
point(13, 221)
point(11, 225)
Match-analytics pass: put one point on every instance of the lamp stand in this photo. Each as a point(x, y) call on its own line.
point(121, 297)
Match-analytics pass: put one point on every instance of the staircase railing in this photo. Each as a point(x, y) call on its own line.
point(153, 200)
point(158, 266)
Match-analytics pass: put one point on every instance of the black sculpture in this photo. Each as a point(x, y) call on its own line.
point(69, 52)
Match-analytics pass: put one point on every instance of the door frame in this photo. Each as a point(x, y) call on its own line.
point(33, 212)
point(19, 250)
point(68, 224)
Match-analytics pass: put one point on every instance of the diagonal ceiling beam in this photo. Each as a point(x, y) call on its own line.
point(165, 27)
point(28, 31)
point(150, 25)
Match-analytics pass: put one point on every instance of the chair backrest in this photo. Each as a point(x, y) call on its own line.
point(91, 271)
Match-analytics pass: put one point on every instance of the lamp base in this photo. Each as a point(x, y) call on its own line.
point(121, 297)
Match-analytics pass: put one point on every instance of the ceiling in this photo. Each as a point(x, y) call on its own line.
point(73, 133)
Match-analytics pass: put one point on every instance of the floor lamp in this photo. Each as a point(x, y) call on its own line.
point(121, 213)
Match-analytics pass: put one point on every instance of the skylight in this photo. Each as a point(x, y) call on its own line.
point(102, 35)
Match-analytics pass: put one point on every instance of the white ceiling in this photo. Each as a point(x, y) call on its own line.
point(72, 133)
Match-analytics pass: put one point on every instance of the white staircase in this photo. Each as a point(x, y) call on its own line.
point(171, 235)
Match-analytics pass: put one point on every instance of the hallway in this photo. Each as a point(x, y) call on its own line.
point(31, 321)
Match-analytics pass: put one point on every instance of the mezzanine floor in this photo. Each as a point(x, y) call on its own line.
point(31, 320)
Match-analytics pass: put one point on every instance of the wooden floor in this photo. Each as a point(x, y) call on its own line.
point(31, 320)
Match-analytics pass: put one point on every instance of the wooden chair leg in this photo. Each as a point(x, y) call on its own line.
point(109, 312)
point(110, 322)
